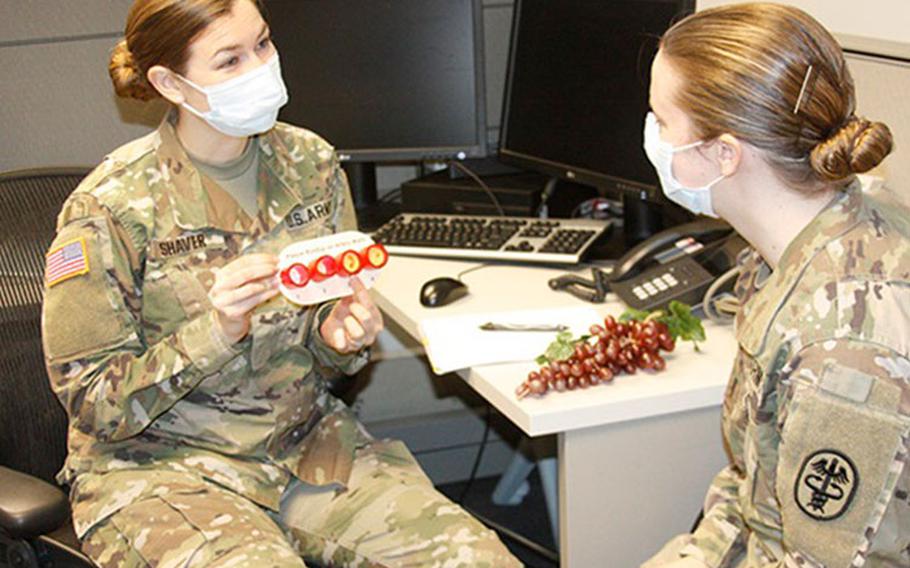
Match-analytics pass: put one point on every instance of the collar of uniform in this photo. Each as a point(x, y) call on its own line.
point(279, 163)
point(844, 212)
point(198, 202)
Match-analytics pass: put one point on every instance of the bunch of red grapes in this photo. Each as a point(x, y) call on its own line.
point(612, 348)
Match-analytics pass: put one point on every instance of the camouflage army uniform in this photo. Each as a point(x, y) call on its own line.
point(817, 411)
point(181, 445)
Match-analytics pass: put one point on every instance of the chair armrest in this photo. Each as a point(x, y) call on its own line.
point(29, 506)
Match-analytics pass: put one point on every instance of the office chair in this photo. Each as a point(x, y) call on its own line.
point(35, 524)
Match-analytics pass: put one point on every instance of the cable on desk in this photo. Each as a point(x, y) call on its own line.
point(468, 172)
point(469, 270)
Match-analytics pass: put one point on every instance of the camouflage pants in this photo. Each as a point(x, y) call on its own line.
point(390, 515)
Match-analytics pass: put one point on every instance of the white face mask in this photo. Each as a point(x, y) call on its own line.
point(244, 105)
point(695, 199)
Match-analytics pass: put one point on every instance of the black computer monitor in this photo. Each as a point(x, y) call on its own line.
point(384, 80)
point(577, 94)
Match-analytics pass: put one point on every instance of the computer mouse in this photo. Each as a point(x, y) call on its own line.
point(441, 291)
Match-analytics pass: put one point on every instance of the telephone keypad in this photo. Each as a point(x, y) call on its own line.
point(679, 279)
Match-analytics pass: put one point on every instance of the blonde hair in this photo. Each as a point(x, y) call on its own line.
point(159, 32)
point(746, 70)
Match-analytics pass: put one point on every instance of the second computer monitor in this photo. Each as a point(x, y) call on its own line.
point(385, 80)
point(577, 89)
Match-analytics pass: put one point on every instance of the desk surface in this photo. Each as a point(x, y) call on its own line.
point(691, 381)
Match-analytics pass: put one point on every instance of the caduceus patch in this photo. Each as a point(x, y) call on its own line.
point(826, 485)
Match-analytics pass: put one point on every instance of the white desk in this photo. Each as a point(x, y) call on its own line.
point(635, 456)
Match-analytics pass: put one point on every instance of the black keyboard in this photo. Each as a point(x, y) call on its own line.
point(525, 239)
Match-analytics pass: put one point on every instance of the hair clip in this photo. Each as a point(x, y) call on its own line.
point(802, 90)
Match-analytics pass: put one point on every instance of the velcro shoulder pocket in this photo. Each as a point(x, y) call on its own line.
point(85, 309)
point(840, 458)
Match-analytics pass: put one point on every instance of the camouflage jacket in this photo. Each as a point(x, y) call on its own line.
point(132, 349)
point(817, 411)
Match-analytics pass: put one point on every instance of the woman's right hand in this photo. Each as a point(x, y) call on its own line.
point(240, 286)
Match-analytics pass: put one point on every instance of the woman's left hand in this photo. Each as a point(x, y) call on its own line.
point(353, 323)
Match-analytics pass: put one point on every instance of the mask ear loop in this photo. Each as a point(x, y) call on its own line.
point(201, 90)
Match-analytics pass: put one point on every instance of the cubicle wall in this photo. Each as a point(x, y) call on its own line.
point(58, 105)
point(882, 85)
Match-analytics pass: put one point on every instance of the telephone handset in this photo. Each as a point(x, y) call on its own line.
point(679, 263)
point(644, 253)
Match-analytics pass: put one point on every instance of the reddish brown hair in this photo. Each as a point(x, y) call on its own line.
point(159, 32)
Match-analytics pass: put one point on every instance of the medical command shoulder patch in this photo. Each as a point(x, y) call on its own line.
point(826, 485)
point(66, 261)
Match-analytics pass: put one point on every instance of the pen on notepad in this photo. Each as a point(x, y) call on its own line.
point(492, 326)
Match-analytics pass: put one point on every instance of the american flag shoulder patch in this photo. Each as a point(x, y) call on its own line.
point(66, 261)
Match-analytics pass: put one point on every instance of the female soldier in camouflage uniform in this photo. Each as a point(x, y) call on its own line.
point(201, 430)
point(755, 123)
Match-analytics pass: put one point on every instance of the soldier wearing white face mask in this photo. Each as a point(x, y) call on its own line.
point(695, 199)
point(754, 122)
point(202, 432)
point(245, 105)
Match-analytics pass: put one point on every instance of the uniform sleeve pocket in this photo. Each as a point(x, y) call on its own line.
point(839, 462)
point(85, 287)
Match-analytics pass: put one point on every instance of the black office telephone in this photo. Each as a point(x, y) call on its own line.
point(679, 263)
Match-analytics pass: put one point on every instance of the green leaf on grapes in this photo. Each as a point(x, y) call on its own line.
point(561, 348)
point(678, 319)
point(690, 328)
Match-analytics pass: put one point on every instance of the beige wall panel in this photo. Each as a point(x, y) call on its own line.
point(59, 107)
point(876, 25)
point(881, 91)
point(36, 19)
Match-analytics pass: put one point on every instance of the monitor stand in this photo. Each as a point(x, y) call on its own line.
point(362, 181)
point(371, 213)
point(641, 219)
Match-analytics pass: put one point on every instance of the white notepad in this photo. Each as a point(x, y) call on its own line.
point(457, 342)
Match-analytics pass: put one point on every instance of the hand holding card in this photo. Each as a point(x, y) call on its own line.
point(318, 270)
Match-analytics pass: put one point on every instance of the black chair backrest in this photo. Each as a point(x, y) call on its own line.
point(32, 422)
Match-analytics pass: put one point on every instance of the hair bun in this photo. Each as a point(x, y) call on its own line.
point(128, 79)
point(857, 147)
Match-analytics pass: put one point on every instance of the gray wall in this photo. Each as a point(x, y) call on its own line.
point(58, 106)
